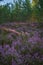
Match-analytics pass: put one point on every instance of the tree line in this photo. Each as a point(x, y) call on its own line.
point(22, 10)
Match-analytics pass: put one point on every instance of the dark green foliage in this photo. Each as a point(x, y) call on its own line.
point(4, 13)
point(41, 9)
point(21, 11)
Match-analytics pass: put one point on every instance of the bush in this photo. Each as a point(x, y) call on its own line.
point(23, 53)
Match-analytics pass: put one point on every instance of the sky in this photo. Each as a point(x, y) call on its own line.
point(7, 1)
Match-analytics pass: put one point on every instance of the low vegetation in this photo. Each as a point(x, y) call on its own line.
point(21, 33)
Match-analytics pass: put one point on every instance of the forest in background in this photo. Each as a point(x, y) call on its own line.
point(22, 10)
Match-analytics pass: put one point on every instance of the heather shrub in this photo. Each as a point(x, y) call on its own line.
point(22, 53)
point(30, 54)
point(25, 49)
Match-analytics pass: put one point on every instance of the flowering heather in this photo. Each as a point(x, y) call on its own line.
point(25, 49)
